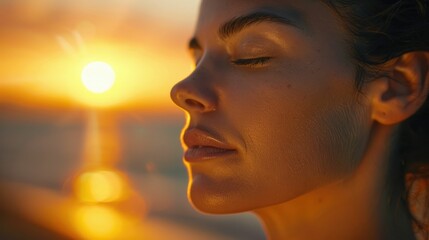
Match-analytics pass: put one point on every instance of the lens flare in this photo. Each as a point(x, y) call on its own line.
point(98, 77)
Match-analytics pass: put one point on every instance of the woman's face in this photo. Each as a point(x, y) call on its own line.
point(272, 107)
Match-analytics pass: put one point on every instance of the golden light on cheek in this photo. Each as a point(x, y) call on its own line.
point(98, 222)
point(100, 186)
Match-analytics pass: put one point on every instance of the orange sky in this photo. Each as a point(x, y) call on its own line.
point(45, 44)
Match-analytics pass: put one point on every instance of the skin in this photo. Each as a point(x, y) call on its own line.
point(311, 150)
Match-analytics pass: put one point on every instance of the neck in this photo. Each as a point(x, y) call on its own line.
point(356, 207)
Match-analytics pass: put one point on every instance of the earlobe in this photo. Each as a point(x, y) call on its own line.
point(403, 90)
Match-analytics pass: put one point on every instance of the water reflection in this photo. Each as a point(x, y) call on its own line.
point(101, 145)
point(101, 184)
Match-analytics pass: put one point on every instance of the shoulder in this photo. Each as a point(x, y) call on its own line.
point(418, 200)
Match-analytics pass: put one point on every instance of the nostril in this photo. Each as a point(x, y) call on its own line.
point(190, 97)
point(194, 104)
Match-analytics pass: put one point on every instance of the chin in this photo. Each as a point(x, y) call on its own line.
point(208, 196)
point(234, 195)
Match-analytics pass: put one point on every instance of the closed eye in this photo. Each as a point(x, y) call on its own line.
point(251, 61)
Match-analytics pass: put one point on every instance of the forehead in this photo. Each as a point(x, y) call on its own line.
point(211, 10)
point(313, 14)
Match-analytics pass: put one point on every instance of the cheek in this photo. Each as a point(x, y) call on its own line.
point(296, 142)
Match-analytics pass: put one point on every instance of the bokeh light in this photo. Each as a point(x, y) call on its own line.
point(99, 186)
point(98, 222)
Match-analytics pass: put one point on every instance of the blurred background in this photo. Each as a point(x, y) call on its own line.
point(89, 143)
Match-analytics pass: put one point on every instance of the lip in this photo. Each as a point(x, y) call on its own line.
point(202, 146)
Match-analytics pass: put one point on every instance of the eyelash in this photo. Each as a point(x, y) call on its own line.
point(252, 62)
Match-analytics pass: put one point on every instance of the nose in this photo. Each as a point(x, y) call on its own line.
point(193, 95)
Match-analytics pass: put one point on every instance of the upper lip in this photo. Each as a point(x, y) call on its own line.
point(195, 137)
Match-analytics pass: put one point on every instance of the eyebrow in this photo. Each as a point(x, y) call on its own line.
point(239, 23)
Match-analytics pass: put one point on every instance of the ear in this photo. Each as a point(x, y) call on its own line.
point(403, 91)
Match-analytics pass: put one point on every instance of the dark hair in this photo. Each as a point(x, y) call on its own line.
point(381, 30)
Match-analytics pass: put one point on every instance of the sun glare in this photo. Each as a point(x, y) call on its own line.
point(98, 77)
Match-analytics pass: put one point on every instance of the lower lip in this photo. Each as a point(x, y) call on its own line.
point(206, 153)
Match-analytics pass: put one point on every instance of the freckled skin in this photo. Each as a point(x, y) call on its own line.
point(296, 121)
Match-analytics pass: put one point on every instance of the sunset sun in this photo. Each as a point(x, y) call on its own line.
point(98, 77)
